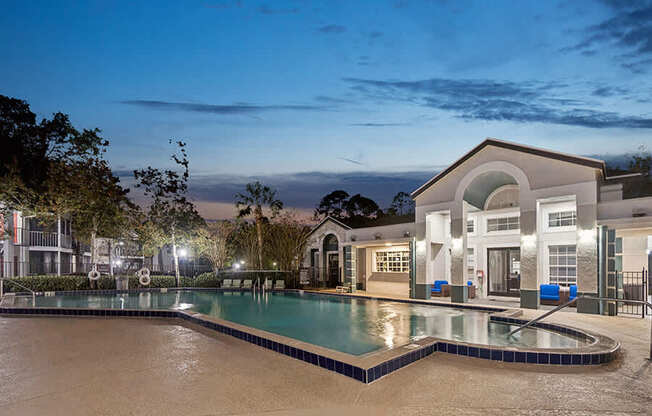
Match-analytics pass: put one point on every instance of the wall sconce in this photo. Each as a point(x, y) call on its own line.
point(457, 243)
point(529, 240)
point(587, 236)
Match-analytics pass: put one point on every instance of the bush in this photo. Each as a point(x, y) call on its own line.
point(49, 283)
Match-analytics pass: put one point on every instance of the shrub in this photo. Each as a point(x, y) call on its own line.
point(47, 283)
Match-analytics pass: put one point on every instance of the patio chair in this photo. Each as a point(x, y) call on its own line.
point(345, 288)
point(246, 284)
point(268, 284)
point(549, 295)
point(227, 283)
point(236, 283)
point(471, 291)
point(436, 287)
point(280, 284)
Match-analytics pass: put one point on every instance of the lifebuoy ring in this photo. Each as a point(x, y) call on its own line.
point(94, 275)
point(143, 276)
point(144, 279)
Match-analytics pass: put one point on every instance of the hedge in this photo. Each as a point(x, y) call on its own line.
point(47, 283)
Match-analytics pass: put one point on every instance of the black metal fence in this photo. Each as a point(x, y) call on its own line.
point(633, 286)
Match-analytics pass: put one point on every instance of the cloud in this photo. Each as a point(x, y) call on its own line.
point(266, 9)
point(628, 30)
point(489, 100)
point(234, 109)
point(332, 100)
point(355, 162)
point(304, 190)
point(378, 124)
point(332, 29)
point(607, 91)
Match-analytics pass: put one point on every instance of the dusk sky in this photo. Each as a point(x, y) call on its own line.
point(311, 96)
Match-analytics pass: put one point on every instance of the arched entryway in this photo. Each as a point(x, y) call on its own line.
point(331, 260)
point(494, 195)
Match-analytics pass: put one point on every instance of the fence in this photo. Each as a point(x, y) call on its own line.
point(33, 268)
point(633, 286)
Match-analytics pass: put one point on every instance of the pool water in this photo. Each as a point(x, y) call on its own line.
point(351, 325)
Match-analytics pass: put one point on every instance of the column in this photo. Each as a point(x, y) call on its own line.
point(459, 290)
point(586, 250)
point(420, 285)
point(529, 255)
point(59, 246)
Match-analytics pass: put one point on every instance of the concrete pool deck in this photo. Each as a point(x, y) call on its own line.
point(134, 366)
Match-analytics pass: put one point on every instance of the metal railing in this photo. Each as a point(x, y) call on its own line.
point(19, 285)
point(11, 269)
point(43, 239)
point(537, 319)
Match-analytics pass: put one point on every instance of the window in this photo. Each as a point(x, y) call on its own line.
point(393, 261)
point(503, 224)
point(562, 219)
point(470, 226)
point(563, 265)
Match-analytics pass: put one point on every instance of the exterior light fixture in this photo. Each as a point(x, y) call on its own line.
point(529, 240)
point(457, 243)
point(242, 262)
point(587, 236)
point(236, 266)
point(183, 252)
point(388, 244)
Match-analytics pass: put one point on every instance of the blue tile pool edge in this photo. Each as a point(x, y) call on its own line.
point(364, 375)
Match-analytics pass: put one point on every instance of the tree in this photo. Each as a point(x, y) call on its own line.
point(252, 202)
point(92, 196)
point(170, 210)
point(213, 242)
point(33, 152)
point(360, 206)
point(245, 241)
point(641, 161)
point(333, 205)
point(287, 240)
point(402, 204)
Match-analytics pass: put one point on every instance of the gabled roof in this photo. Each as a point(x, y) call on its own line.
point(564, 157)
point(329, 218)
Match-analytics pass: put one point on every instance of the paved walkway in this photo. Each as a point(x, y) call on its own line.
point(95, 366)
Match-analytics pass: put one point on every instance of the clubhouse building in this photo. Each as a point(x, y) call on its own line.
point(501, 221)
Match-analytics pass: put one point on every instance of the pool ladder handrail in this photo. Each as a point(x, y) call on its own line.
point(2, 293)
point(537, 319)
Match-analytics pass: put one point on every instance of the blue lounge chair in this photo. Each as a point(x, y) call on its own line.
point(549, 294)
point(436, 287)
point(572, 292)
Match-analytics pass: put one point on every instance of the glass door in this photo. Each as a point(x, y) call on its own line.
point(504, 274)
point(333, 269)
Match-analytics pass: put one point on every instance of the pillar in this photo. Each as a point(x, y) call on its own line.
point(529, 255)
point(586, 250)
point(420, 285)
point(59, 246)
point(459, 258)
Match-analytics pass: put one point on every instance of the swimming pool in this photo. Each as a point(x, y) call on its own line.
point(350, 325)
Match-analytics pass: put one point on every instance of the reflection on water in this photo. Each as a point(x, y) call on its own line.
point(355, 326)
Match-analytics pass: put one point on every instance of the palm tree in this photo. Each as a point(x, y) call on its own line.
point(251, 202)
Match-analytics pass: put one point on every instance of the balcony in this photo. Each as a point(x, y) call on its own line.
point(49, 239)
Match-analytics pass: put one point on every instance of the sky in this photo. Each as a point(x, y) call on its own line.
point(371, 97)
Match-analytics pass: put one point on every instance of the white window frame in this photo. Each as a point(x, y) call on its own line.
point(505, 216)
point(384, 265)
point(474, 225)
point(570, 227)
point(562, 262)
